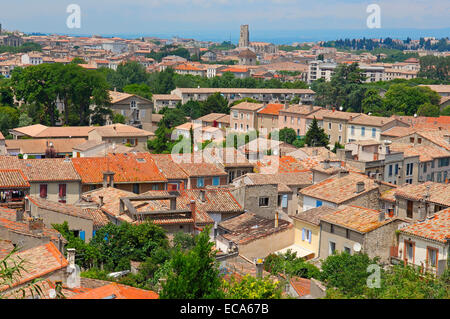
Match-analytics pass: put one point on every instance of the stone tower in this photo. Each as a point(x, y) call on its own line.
point(244, 40)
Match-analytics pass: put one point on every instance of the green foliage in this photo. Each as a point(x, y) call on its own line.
point(24, 48)
point(446, 111)
point(252, 288)
point(172, 117)
point(316, 136)
point(127, 73)
point(224, 46)
point(373, 102)
point(337, 146)
point(143, 90)
point(78, 60)
point(401, 98)
point(9, 118)
point(183, 240)
point(348, 273)
point(195, 274)
point(428, 109)
point(289, 264)
point(24, 120)
point(169, 50)
point(118, 118)
point(433, 67)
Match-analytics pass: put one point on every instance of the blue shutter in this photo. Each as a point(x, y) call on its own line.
point(303, 234)
point(93, 233)
point(318, 203)
point(216, 181)
point(82, 235)
point(310, 235)
point(284, 201)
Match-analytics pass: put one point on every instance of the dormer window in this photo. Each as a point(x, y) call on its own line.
point(133, 104)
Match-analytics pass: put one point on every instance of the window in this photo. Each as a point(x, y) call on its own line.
point(242, 127)
point(306, 235)
point(348, 250)
point(155, 187)
point(133, 104)
point(235, 114)
point(353, 130)
point(442, 162)
point(242, 116)
point(411, 139)
point(329, 126)
point(409, 251)
point(419, 140)
point(340, 127)
point(263, 201)
point(425, 167)
point(347, 233)
point(235, 126)
point(390, 170)
point(363, 131)
point(439, 177)
point(43, 190)
point(62, 190)
point(136, 188)
point(432, 256)
point(284, 201)
point(409, 209)
point(340, 139)
point(248, 116)
point(318, 203)
point(247, 127)
point(374, 132)
point(332, 246)
point(396, 169)
point(200, 182)
point(82, 234)
point(285, 119)
point(409, 169)
point(332, 228)
point(216, 181)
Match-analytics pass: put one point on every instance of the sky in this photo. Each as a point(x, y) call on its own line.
point(219, 20)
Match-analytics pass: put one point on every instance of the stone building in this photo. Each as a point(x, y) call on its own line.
point(244, 39)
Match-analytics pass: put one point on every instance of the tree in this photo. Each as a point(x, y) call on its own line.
point(348, 273)
point(195, 274)
point(428, 109)
point(252, 288)
point(118, 118)
point(403, 99)
point(337, 146)
point(9, 118)
point(446, 111)
point(143, 90)
point(24, 120)
point(373, 103)
point(215, 103)
point(287, 135)
point(316, 135)
point(172, 117)
point(291, 265)
point(127, 73)
point(433, 67)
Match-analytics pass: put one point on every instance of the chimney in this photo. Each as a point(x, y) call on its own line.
point(326, 164)
point(71, 256)
point(203, 195)
point(36, 225)
point(101, 201)
point(19, 215)
point(259, 267)
point(310, 108)
point(381, 217)
point(360, 187)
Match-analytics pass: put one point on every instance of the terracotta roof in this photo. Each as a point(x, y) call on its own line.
point(39, 146)
point(62, 208)
point(211, 117)
point(13, 178)
point(301, 109)
point(31, 130)
point(436, 227)
point(128, 168)
point(438, 88)
point(202, 169)
point(301, 285)
point(227, 156)
point(38, 262)
point(319, 114)
point(425, 152)
point(117, 291)
point(249, 227)
point(398, 131)
point(282, 179)
point(438, 193)
point(168, 167)
point(370, 120)
point(121, 130)
point(118, 96)
point(248, 106)
point(87, 145)
point(165, 97)
point(65, 131)
point(243, 91)
point(389, 195)
point(341, 115)
point(49, 169)
point(272, 109)
point(313, 215)
point(8, 221)
point(98, 217)
point(438, 137)
point(6, 247)
point(247, 54)
point(340, 189)
point(357, 218)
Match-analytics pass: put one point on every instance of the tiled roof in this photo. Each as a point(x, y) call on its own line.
point(438, 88)
point(118, 96)
point(211, 117)
point(57, 207)
point(340, 189)
point(128, 168)
point(121, 130)
point(98, 217)
point(49, 169)
point(301, 109)
point(168, 167)
point(202, 169)
point(6, 247)
point(13, 178)
point(399, 131)
point(39, 146)
point(438, 137)
point(248, 106)
point(165, 97)
point(117, 291)
point(313, 215)
point(301, 285)
point(357, 218)
point(389, 195)
point(438, 193)
point(227, 156)
point(319, 114)
point(38, 262)
point(272, 109)
point(364, 119)
point(249, 227)
point(65, 131)
point(341, 115)
point(282, 179)
point(425, 152)
point(436, 227)
point(31, 130)
point(8, 221)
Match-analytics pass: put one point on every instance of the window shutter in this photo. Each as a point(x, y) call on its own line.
point(82, 235)
point(43, 190)
point(310, 235)
point(303, 234)
point(62, 190)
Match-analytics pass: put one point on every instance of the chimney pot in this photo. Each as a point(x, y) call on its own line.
point(360, 187)
point(203, 195)
point(71, 256)
point(19, 215)
point(381, 217)
point(101, 201)
point(36, 225)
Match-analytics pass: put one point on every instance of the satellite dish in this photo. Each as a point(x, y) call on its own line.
point(357, 247)
point(25, 156)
